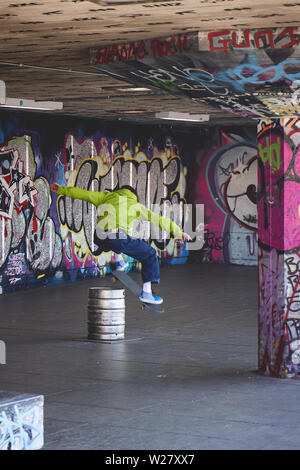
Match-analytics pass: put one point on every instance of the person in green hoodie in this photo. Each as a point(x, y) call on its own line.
point(116, 213)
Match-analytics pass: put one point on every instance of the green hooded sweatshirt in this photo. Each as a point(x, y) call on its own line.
point(126, 209)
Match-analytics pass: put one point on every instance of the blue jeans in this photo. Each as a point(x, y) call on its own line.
point(120, 242)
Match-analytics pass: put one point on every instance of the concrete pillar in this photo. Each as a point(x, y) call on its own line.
point(279, 247)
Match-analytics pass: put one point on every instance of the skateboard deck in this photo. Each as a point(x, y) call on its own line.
point(128, 282)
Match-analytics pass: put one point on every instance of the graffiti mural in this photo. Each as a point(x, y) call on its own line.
point(230, 40)
point(227, 186)
point(138, 50)
point(48, 239)
point(279, 247)
point(21, 427)
point(247, 72)
point(159, 180)
point(28, 242)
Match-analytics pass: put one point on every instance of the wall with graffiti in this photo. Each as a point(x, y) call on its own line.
point(45, 239)
point(248, 72)
point(279, 247)
point(226, 183)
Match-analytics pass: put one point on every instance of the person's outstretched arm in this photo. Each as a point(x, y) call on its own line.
point(94, 197)
point(163, 223)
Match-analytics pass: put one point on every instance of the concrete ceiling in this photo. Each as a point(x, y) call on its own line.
point(45, 49)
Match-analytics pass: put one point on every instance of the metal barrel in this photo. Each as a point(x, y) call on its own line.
point(106, 314)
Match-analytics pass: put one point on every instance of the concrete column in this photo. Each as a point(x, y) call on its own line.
point(279, 247)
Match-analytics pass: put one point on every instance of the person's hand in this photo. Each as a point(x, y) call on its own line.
point(54, 187)
point(186, 237)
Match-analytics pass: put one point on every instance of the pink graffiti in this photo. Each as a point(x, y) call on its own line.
point(279, 223)
point(214, 217)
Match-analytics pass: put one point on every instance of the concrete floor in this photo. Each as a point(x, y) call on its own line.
point(184, 379)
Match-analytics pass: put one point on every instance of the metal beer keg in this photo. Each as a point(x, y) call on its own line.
point(106, 314)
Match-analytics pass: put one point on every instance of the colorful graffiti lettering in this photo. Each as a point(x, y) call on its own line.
point(25, 204)
point(251, 73)
point(211, 243)
point(42, 242)
point(248, 39)
point(159, 181)
point(173, 45)
point(116, 53)
point(190, 81)
point(255, 76)
point(271, 152)
point(283, 105)
point(139, 50)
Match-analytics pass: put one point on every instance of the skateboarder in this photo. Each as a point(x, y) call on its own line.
point(116, 225)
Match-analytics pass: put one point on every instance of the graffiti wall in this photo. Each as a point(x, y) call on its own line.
point(248, 72)
point(48, 239)
point(226, 183)
point(279, 247)
point(21, 421)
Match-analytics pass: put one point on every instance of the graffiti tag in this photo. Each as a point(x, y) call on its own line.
point(20, 430)
point(250, 39)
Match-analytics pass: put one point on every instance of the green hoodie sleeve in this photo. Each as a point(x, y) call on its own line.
point(95, 197)
point(162, 222)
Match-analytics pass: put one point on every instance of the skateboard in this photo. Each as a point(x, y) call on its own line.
point(128, 282)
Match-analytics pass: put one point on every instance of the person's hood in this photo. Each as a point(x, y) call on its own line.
point(126, 193)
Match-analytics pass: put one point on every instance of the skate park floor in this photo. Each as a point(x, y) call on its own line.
point(183, 379)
